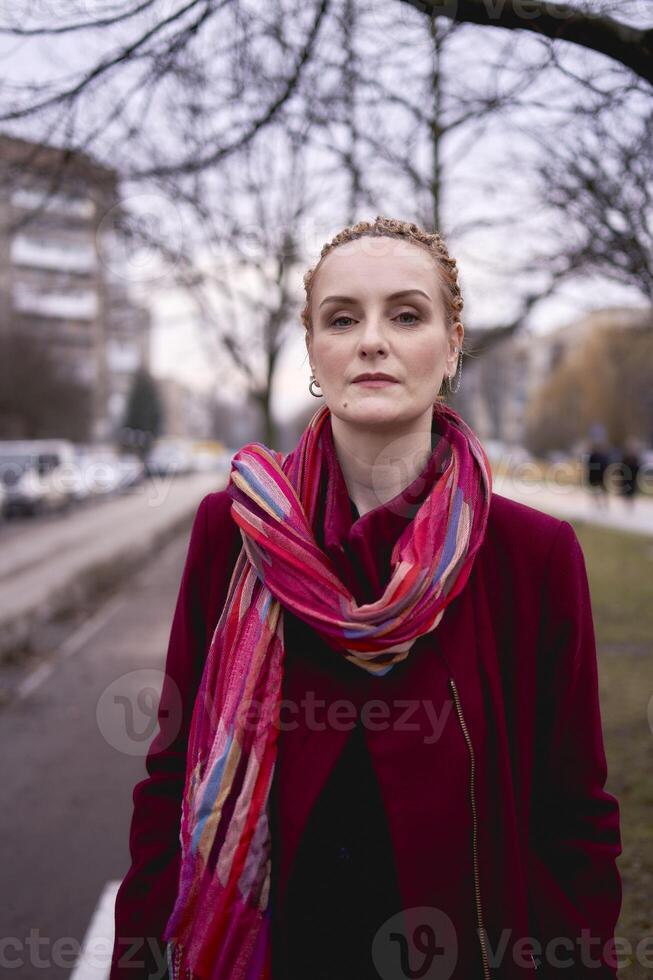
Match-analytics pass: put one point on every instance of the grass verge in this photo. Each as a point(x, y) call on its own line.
point(620, 572)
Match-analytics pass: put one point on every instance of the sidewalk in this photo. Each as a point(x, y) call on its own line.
point(574, 503)
point(47, 569)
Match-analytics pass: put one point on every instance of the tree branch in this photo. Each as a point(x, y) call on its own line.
point(631, 46)
point(131, 51)
point(80, 25)
point(194, 164)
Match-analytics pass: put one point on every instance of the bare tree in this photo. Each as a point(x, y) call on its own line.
point(241, 270)
point(602, 184)
point(351, 161)
point(401, 146)
point(222, 73)
point(208, 71)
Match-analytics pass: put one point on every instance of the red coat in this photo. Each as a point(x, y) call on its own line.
point(507, 681)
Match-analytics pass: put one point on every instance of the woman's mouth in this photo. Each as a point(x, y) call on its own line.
point(376, 380)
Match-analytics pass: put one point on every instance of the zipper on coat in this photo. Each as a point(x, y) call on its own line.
point(477, 886)
point(173, 955)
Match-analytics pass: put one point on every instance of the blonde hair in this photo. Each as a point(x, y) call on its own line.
point(394, 228)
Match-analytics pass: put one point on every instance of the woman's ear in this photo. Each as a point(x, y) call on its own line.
point(457, 336)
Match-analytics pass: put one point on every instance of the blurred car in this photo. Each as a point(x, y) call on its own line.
point(101, 471)
point(131, 471)
point(97, 474)
point(169, 458)
point(34, 475)
point(205, 460)
point(77, 483)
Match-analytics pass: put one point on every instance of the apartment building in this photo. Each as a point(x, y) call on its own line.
point(55, 281)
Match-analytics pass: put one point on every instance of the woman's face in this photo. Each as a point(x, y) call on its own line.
point(361, 326)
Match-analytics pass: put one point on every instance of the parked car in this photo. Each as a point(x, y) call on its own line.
point(78, 483)
point(169, 458)
point(103, 471)
point(208, 455)
point(35, 475)
point(131, 471)
point(97, 473)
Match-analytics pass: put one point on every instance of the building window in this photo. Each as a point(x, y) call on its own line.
point(62, 254)
point(79, 305)
point(68, 205)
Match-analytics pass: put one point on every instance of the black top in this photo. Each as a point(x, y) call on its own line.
point(343, 885)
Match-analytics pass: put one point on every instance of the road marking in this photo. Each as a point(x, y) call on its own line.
point(32, 681)
point(90, 627)
point(70, 645)
point(94, 961)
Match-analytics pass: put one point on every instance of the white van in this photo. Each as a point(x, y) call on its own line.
point(36, 475)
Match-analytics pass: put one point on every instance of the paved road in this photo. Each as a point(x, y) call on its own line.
point(54, 564)
point(67, 778)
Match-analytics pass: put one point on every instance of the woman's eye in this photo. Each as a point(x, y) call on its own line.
point(407, 313)
point(334, 322)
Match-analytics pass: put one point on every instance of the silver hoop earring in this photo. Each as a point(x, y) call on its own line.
point(310, 387)
point(457, 375)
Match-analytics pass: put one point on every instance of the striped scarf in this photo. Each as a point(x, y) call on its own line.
point(220, 926)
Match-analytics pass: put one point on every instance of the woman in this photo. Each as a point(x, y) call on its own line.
point(390, 760)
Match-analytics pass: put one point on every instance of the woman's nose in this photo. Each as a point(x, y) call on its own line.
point(372, 339)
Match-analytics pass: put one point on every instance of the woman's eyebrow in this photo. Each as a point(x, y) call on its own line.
point(352, 299)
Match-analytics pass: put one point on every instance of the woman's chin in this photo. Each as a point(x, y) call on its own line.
point(373, 413)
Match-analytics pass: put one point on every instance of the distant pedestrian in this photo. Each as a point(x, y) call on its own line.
point(630, 467)
point(598, 460)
